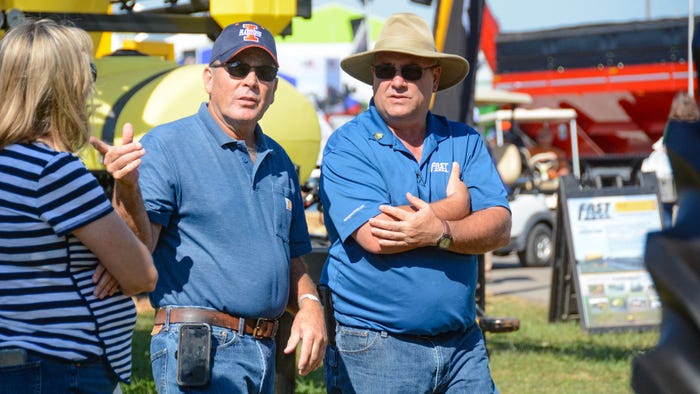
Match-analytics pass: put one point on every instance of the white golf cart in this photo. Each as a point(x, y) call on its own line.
point(532, 196)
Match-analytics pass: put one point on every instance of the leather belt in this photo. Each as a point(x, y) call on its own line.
point(257, 328)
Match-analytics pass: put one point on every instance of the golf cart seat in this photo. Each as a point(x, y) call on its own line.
point(511, 163)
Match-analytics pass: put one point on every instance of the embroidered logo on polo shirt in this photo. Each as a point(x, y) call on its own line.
point(438, 167)
point(288, 203)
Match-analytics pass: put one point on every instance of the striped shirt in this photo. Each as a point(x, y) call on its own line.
point(46, 290)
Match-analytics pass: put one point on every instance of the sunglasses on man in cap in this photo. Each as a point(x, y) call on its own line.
point(238, 69)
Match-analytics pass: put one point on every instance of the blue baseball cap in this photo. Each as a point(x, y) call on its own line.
point(241, 36)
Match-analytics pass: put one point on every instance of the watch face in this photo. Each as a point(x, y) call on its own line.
point(445, 242)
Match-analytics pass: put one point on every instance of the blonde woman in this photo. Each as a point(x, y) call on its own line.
point(67, 261)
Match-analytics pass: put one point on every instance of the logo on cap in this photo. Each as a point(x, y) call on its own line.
point(250, 32)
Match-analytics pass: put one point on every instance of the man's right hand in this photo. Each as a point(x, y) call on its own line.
point(122, 161)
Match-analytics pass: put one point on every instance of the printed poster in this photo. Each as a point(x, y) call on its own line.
point(608, 235)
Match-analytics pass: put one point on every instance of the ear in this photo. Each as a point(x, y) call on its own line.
point(208, 77)
point(437, 72)
point(274, 90)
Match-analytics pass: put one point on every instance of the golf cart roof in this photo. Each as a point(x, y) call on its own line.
point(538, 115)
point(522, 115)
point(487, 96)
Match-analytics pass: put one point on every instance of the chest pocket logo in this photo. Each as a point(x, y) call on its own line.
point(438, 167)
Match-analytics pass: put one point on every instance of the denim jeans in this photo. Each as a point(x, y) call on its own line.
point(239, 364)
point(365, 361)
point(44, 375)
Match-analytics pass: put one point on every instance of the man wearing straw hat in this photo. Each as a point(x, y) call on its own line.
point(410, 199)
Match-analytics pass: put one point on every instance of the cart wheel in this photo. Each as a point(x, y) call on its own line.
point(539, 248)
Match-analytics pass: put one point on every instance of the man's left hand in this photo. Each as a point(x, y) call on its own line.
point(309, 328)
point(408, 229)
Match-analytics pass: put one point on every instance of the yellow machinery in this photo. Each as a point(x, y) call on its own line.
point(150, 90)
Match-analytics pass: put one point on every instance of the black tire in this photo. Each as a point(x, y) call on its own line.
point(539, 247)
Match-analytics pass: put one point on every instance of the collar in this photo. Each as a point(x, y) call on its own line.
point(224, 139)
point(377, 130)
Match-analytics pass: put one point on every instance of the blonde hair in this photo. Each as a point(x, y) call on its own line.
point(46, 85)
point(684, 108)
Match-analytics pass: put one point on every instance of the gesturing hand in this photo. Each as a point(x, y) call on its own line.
point(122, 161)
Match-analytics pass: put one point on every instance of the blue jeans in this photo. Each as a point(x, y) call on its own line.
point(365, 361)
point(239, 364)
point(44, 375)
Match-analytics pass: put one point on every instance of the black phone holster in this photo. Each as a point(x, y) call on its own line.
point(194, 355)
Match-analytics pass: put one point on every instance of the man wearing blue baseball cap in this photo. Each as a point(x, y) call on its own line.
point(219, 204)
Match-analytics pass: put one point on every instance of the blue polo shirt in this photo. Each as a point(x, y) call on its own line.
point(423, 291)
point(230, 226)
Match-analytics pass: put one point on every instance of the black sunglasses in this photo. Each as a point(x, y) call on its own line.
point(409, 72)
point(93, 71)
point(240, 70)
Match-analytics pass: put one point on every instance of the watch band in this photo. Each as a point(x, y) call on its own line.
point(445, 228)
point(445, 240)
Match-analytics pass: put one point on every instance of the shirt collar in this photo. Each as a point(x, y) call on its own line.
point(379, 131)
point(224, 139)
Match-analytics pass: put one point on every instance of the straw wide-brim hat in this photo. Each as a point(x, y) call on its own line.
point(408, 34)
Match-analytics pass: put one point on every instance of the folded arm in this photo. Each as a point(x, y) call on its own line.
point(404, 228)
point(121, 253)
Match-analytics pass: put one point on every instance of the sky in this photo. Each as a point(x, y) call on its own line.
point(528, 15)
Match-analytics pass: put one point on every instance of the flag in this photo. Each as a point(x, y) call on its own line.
point(457, 31)
point(359, 31)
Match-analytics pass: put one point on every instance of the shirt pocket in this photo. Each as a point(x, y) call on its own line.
point(283, 213)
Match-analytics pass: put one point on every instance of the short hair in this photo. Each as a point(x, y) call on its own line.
point(46, 85)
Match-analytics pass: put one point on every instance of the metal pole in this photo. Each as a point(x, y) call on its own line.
point(648, 11)
point(499, 132)
point(691, 28)
point(368, 29)
point(575, 160)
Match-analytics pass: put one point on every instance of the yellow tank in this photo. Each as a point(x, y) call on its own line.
point(148, 91)
point(101, 40)
point(273, 14)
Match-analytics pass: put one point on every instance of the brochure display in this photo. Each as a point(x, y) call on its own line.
point(601, 248)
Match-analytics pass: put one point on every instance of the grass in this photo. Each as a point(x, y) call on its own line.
point(540, 357)
point(560, 357)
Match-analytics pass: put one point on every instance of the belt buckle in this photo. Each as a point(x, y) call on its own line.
point(258, 328)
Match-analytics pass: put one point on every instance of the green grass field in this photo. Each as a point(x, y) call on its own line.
point(540, 357)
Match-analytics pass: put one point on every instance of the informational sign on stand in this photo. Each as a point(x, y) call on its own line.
point(608, 235)
point(605, 233)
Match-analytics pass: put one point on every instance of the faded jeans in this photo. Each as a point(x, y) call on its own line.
point(365, 361)
point(239, 364)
